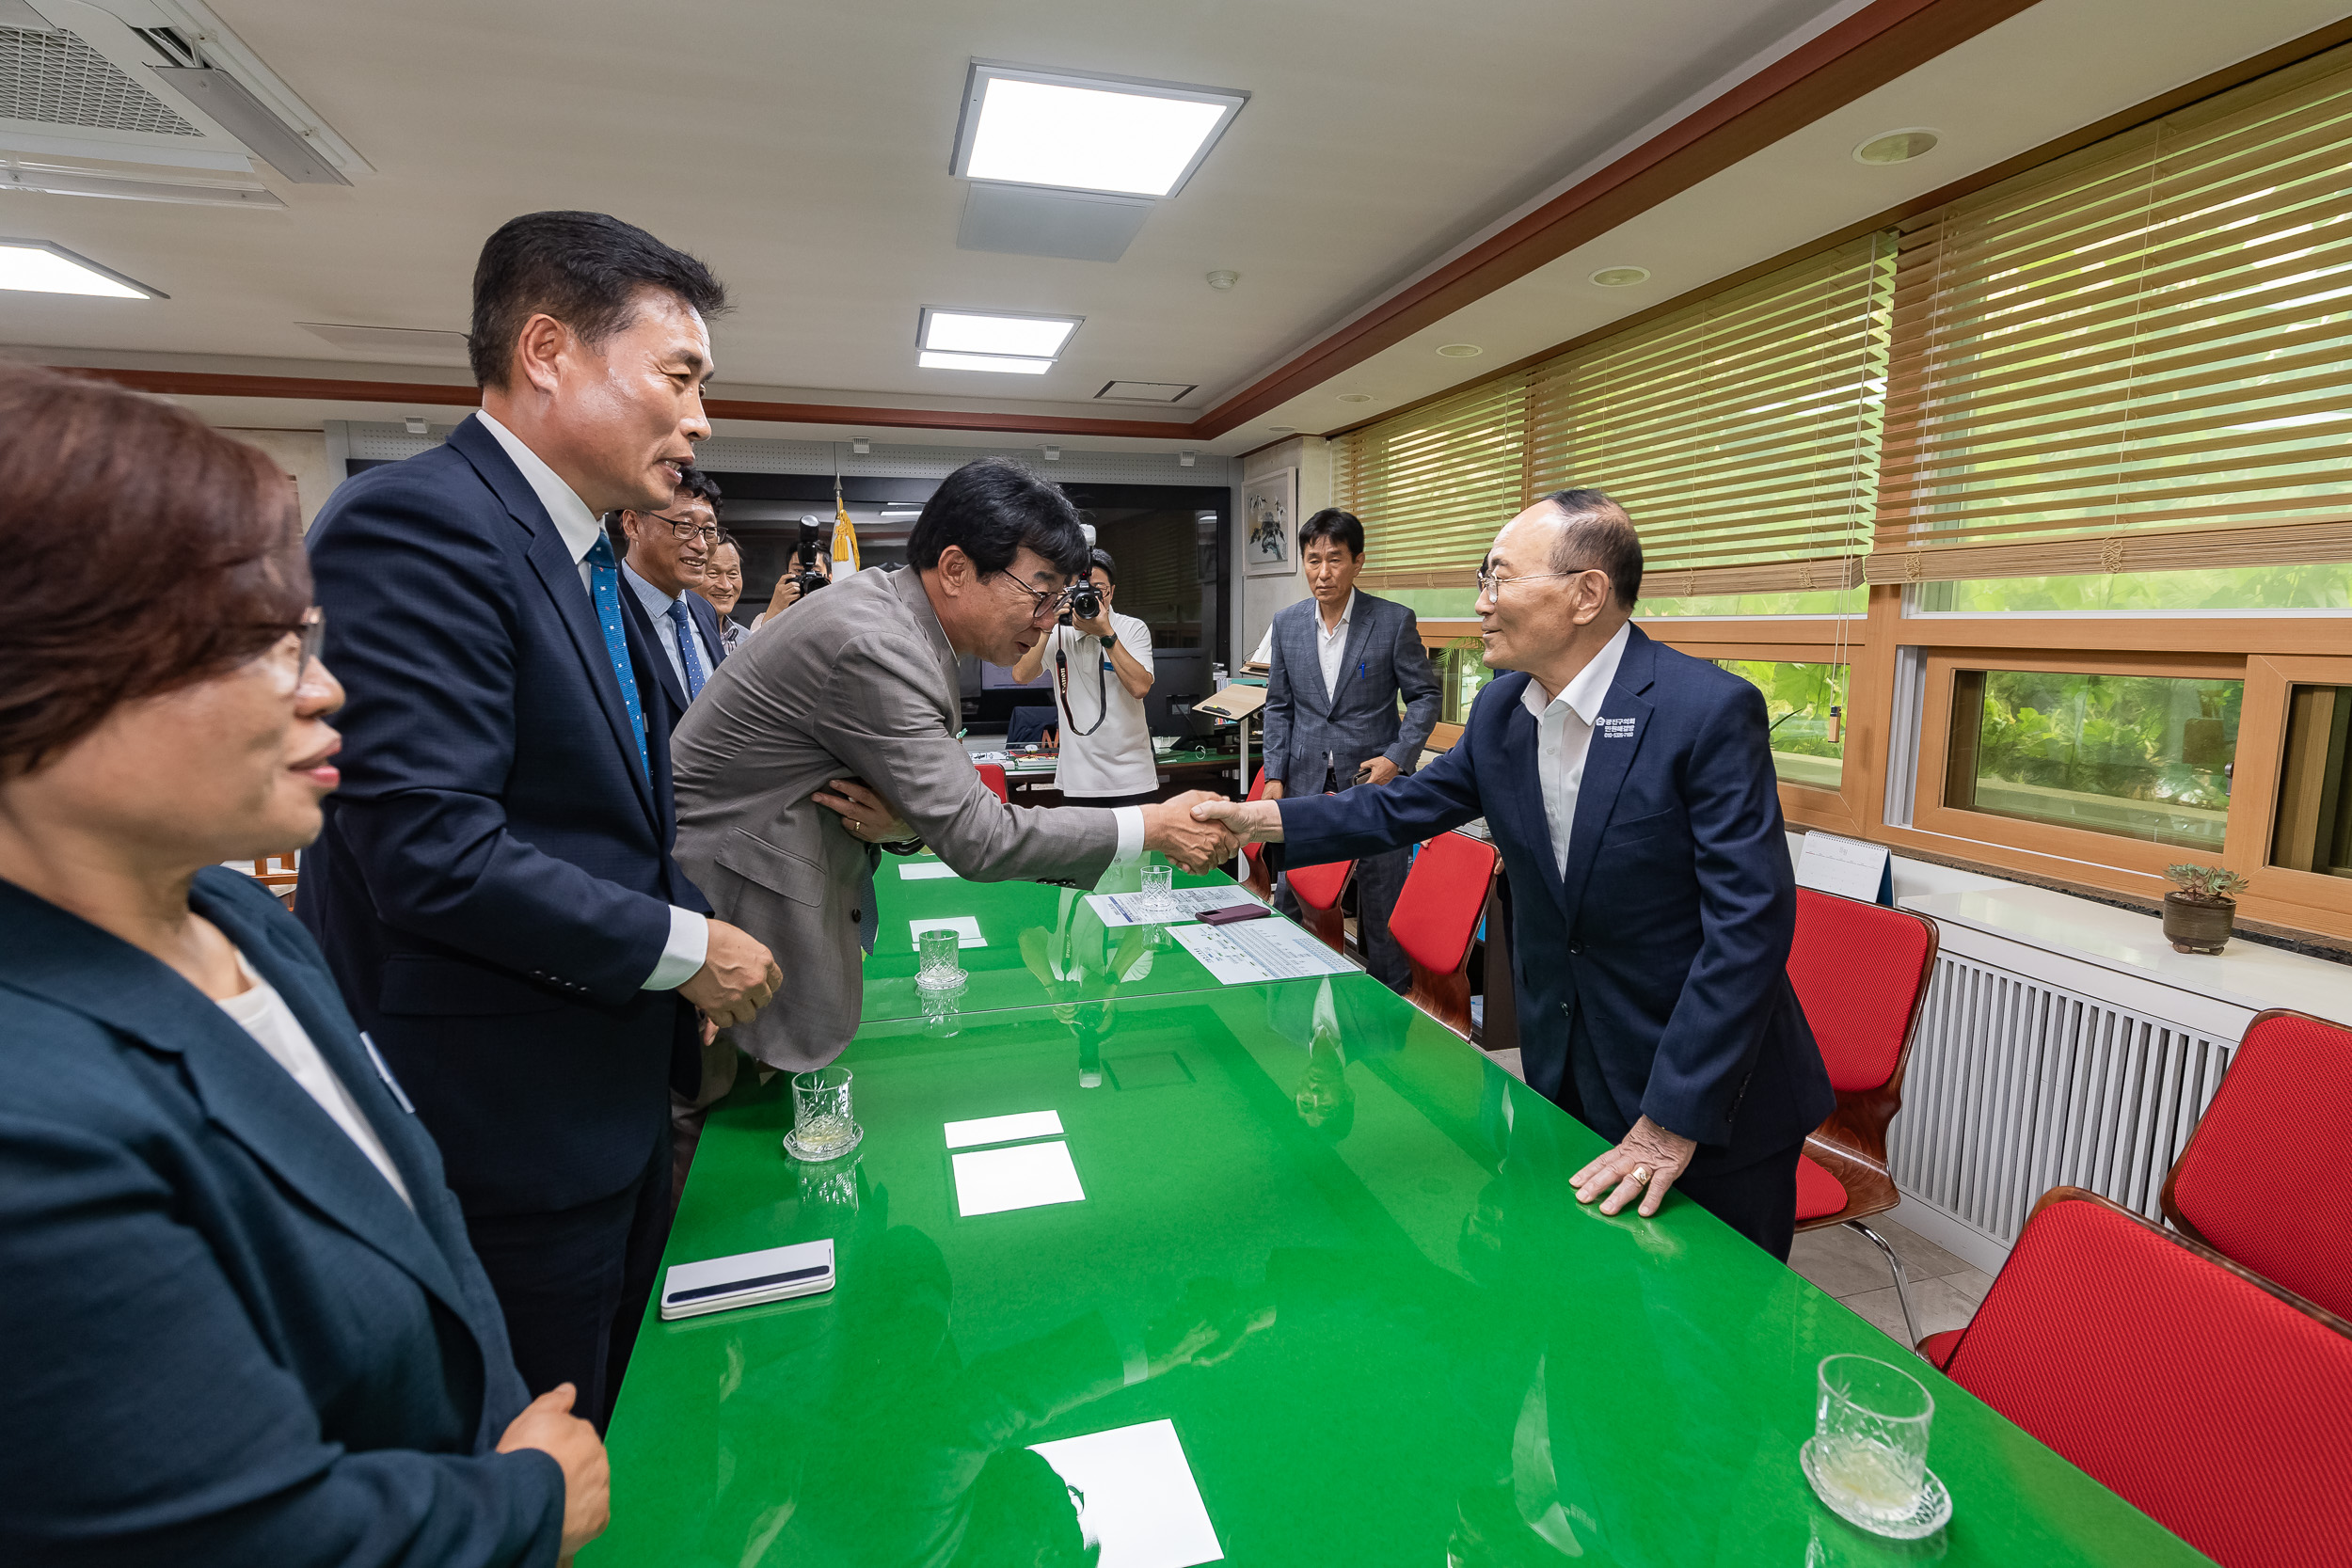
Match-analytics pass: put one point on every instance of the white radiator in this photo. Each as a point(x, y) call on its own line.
point(2017, 1087)
point(2055, 1052)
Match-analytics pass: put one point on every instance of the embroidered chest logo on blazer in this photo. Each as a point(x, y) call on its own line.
point(1618, 729)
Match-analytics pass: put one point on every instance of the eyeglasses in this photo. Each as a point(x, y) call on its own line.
point(1490, 586)
point(1044, 604)
point(308, 635)
point(683, 528)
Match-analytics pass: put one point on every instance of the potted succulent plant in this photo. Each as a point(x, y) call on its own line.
point(2197, 919)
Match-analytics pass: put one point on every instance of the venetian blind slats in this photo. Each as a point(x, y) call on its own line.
point(2139, 359)
point(1433, 485)
point(1741, 432)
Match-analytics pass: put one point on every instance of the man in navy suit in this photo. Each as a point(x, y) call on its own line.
point(494, 888)
point(664, 555)
point(1630, 791)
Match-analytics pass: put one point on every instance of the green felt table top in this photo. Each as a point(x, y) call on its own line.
point(1330, 1243)
point(1044, 944)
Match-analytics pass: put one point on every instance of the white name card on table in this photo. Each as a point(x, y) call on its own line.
point(1256, 951)
point(1130, 909)
point(1025, 1176)
point(924, 871)
point(1003, 1130)
point(1847, 867)
point(965, 927)
point(1141, 1501)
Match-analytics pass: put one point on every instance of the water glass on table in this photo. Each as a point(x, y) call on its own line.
point(942, 967)
point(1868, 1456)
point(824, 1124)
point(1159, 891)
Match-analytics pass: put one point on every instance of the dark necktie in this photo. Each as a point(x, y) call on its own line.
point(687, 653)
point(604, 587)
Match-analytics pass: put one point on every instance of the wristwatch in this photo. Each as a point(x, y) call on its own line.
point(1111, 642)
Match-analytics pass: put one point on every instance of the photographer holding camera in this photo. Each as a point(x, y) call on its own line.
point(812, 569)
point(1102, 665)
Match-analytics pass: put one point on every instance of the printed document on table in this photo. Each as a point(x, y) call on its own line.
point(1259, 950)
point(1132, 909)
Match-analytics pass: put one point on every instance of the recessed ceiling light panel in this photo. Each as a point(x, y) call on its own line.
point(1111, 133)
point(1621, 278)
point(40, 267)
point(1020, 344)
point(1898, 147)
point(931, 359)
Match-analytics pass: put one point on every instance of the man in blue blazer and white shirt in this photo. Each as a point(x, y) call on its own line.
point(1631, 793)
point(494, 888)
point(1341, 659)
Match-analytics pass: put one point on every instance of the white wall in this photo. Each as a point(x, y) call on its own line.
point(1257, 598)
point(302, 453)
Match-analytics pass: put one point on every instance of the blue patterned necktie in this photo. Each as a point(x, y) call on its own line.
point(604, 578)
point(687, 653)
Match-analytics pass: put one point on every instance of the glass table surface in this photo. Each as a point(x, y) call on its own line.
point(1302, 1281)
point(1041, 945)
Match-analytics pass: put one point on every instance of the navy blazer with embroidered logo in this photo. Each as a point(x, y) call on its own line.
point(1653, 977)
point(493, 886)
point(230, 1342)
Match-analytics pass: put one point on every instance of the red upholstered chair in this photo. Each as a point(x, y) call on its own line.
point(2206, 1397)
point(1435, 916)
point(1256, 875)
point(2264, 1179)
point(1318, 888)
point(993, 777)
point(1860, 973)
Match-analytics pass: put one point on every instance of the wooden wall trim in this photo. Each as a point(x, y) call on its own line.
point(206, 384)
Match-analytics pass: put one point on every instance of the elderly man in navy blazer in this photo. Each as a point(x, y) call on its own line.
point(494, 888)
point(1341, 662)
point(1630, 791)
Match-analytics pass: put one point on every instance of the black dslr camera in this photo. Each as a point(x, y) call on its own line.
point(805, 571)
point(1084, 602)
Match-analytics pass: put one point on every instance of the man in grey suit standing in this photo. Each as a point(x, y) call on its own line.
point(834, 732)
point(1341, 660)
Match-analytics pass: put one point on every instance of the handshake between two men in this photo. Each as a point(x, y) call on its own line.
point(1176, 827)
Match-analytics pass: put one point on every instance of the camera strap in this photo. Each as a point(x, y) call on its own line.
point(1062, 682)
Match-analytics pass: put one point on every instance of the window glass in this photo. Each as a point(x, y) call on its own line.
point(2138, 756)
point(1462, 673)
point(2314, 831)
point(2326, 586)
point(1802, 702)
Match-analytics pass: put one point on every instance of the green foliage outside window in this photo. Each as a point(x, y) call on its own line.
point(1807, 742)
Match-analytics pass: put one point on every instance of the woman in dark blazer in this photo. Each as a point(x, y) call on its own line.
point(241, 1321)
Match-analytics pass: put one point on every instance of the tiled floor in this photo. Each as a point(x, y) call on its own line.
point(1944, 1289)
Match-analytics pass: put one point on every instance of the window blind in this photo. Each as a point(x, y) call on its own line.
point(1741, 433)
point(2138, 358)
point(1433, 484)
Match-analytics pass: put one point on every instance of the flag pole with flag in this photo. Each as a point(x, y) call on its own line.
point(844, 536)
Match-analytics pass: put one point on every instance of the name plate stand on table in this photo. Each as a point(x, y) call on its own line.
point(1847, 867)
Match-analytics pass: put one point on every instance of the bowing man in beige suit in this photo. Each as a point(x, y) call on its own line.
point(835, 731)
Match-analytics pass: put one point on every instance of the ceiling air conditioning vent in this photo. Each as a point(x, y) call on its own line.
point(1145, 391)
point(55, 78)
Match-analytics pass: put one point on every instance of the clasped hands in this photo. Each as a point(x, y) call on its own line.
point(1175, 828)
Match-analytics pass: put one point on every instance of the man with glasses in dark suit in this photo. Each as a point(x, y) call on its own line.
point(665, 555)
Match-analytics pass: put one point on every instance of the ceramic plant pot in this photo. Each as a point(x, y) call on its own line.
point(2193, 925)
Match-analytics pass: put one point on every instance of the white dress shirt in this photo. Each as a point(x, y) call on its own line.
point(579, 529)
point(657, 605)
point(264, 1013)
point(1563, 737)
point(1331, 646)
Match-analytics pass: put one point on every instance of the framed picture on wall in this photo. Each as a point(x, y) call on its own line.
point(1269, 506)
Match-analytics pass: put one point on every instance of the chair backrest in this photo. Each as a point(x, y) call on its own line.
point(1028, 725)
point(2215, 1403)
point(993, 777)
point(2266, 1180)
point(1438, 908)
point(1860, 972)
point(1319, 887)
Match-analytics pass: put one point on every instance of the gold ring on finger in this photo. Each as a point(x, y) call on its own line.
point(1642, 1175)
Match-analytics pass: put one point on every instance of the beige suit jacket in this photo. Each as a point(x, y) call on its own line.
point(856, 681)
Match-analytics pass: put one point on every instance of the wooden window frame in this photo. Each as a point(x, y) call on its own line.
point(2315, 899)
